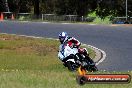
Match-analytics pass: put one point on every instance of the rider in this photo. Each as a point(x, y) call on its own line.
point(66, 40)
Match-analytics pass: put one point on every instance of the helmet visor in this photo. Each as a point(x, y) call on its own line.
point(61, 38)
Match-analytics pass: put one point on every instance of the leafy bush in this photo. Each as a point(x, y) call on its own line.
point(21, 18)
point(98, 20)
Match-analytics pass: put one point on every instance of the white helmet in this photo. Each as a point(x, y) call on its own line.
point(63, 36)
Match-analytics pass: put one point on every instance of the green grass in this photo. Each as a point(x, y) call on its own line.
point(33, 63)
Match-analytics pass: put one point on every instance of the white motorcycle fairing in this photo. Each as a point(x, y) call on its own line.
point(71, 60)
point(65, 51)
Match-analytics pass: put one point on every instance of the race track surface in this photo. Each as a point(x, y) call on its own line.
point(116, 41)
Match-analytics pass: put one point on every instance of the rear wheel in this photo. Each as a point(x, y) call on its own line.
point(91, 65)
point(89, 60)
point(93, 69)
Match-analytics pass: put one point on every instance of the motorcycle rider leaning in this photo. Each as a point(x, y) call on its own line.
point(73, 56)
point(66, 40)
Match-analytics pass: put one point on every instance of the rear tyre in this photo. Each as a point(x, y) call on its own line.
point(91, 65)
point(93, 69)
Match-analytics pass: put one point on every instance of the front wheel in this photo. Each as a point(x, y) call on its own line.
point(71, 66)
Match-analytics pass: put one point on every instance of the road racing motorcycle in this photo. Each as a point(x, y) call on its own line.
point(78, 58)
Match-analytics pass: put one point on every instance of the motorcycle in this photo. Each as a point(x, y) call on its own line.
point(78, 58)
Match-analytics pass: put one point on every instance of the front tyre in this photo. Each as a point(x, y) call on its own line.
point(71, 66)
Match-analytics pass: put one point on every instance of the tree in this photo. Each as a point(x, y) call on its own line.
point(113, 7)
point(102, 8)
point(75, 7)
point(36, 8)
point(105, 8)
point(20, 6)
point(48, 6)
point(2, 6)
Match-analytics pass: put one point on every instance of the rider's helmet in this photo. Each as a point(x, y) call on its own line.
point(62, 37)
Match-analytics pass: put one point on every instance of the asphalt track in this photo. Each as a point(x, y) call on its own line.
point(116, 41)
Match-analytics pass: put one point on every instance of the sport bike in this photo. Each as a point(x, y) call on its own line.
point(78, 57)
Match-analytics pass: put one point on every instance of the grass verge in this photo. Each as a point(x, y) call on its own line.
point(32, 63)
